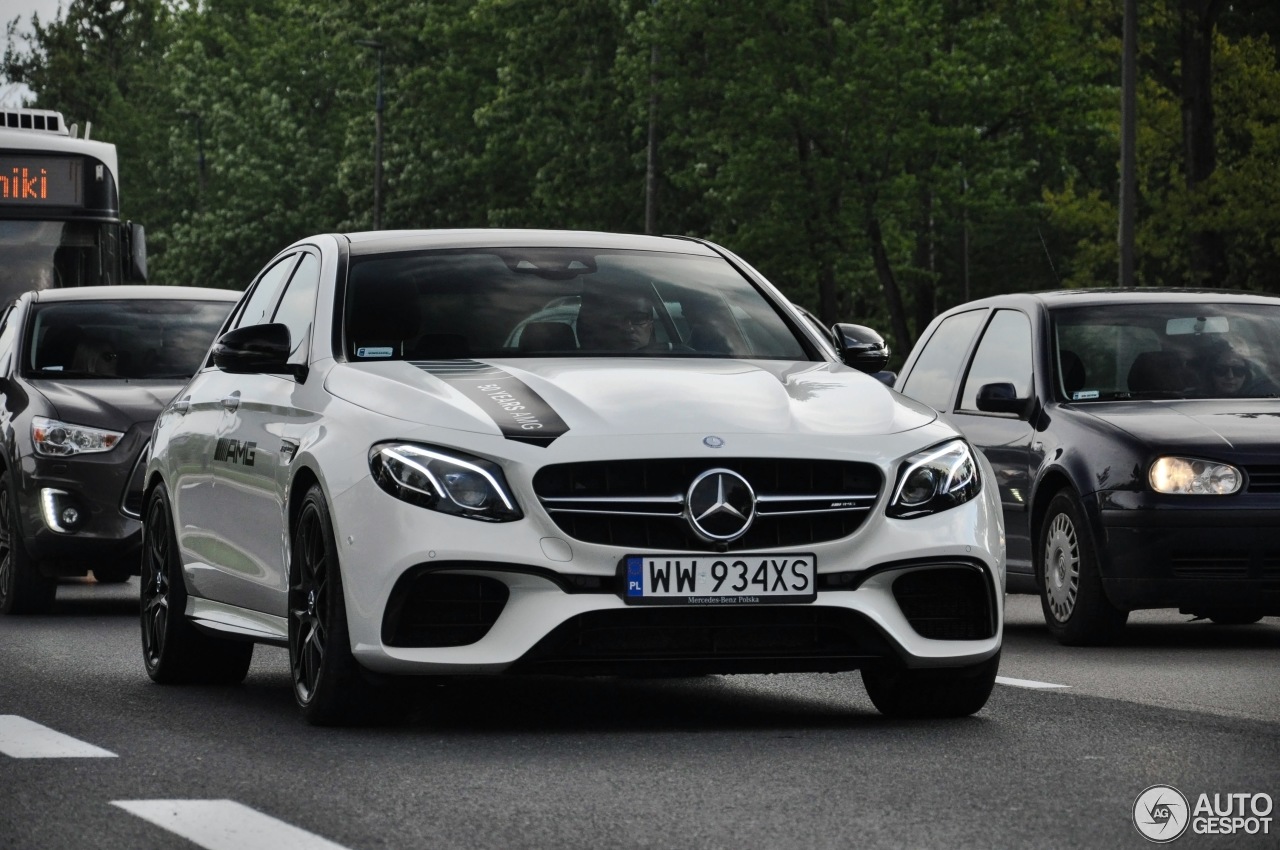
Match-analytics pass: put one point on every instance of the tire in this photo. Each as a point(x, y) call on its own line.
point(329, 685)
point(23, 590)
point(933, 692)
point(174, 651)
point(1074, 602)
point(1235, 618)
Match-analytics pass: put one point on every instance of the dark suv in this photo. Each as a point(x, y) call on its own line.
point(83, 374)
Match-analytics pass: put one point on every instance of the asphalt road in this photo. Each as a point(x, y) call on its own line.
point(93, 755)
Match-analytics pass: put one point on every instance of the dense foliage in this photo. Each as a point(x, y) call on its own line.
point(877, 159)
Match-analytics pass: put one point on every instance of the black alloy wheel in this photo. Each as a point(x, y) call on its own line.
point(173, 650)
point(328, 683)
point(23, 590)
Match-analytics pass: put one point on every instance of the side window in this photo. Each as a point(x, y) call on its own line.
point(934, 375)
point(257, 309)
point(1003, 356)
point(298, 306)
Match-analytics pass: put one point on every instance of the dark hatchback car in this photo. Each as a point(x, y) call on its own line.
point(83, 374)
point(1135, 437)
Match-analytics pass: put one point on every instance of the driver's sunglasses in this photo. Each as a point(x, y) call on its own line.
point(634, 320)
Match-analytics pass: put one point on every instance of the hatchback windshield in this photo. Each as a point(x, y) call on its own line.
point(558, 302)
point(1123, 351)
point(121, 339)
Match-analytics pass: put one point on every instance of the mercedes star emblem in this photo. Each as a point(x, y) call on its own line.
point(720, 505)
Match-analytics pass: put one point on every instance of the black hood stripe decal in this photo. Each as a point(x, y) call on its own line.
point(519, 412)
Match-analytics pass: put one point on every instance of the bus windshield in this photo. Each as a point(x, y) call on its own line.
point(47, 254)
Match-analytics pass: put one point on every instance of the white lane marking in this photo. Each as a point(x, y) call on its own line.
point(224, 825)
point(1027, 683)
point(21, 738)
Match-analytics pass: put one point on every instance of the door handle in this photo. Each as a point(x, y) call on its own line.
point(231, 402)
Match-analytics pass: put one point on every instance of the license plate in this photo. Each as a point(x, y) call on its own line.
point(739, 579)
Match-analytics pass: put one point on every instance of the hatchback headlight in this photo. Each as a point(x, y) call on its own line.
point(450, 483)
point(59, 439)
point(935, 480)
point(1189, 476)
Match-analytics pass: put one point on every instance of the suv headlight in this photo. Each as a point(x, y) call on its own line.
point(1189, 476)
point(450, 483)
point(59, 439)
point(934, 480)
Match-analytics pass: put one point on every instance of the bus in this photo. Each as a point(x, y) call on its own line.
point(60, 209)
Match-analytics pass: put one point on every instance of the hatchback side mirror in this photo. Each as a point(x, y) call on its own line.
point(257, 350)
point(861, 347)
point(1001, 398)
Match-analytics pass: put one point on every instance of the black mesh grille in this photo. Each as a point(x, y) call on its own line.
point(946, 603)
point(1263, 479)
point(428, 609)
point(784, 517)
point(737, 639)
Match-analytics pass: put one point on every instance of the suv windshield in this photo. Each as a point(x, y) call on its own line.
point(1133, 351)
point(121, 339)
point(541, 302)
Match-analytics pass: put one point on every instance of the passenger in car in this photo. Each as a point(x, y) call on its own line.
point(616, 321)
point(1232, 374)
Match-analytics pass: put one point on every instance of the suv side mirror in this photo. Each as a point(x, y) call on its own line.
point(1001, 398)
point(861, 347)
point(257, 350)
point(135, 253)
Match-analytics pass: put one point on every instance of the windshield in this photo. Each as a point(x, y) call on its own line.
point(558, 303)
point(1126, 351)
point(121, 339)
point(47, 254)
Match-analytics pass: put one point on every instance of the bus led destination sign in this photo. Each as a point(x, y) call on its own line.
point(41, 181)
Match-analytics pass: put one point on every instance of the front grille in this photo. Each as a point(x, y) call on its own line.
point(430, 609)
point(1263, 479)
point(778, 638)
point(946, 603)
point(1211, 567)
point(640, 504)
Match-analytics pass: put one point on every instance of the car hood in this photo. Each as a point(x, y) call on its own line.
point(1241, 424)
point(114, 404)
point(543, 398)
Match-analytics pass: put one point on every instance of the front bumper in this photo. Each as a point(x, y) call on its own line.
point(1197, 558)
point(554, 604)
point(100, 487)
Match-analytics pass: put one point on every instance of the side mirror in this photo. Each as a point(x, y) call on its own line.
point(256, 350)
point(861, 347)
point(1001, 398)
point(136, 253)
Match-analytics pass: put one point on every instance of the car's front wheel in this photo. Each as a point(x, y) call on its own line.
point(330, 686)
point(932, 692)
point(173, 650)
point(23, 590)
point(1076, 607)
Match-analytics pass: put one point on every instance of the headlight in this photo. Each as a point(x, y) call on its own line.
point(935, 480)
point(1188, 476)
point(60, 439)
point(450, 483)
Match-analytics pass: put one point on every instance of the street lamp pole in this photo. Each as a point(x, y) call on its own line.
point(377, 135)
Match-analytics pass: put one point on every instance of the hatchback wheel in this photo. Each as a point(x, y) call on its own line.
point(943, 692)
point(1075, 604)
point(330, 686)
point(173, 650)
point(23, 590)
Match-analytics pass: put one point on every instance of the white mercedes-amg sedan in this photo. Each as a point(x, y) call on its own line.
point(482, 452)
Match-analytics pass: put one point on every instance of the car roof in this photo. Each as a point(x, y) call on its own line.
point(1116, 295)
point(135, 292)
point(383, 241)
